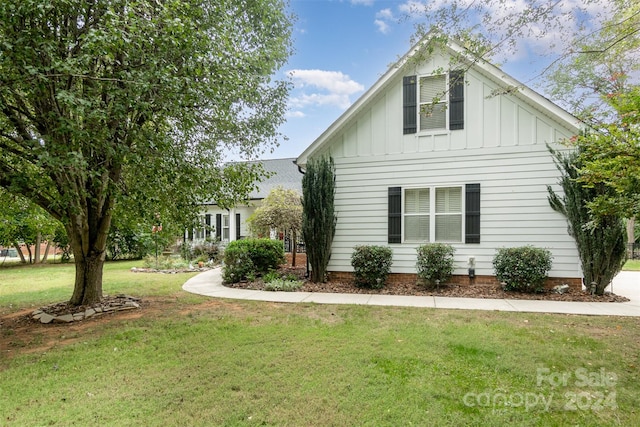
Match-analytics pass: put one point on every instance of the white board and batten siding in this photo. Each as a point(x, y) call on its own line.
point(502, 147)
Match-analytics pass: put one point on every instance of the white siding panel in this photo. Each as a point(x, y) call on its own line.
point(508, 122)
point(378, 127)
point(514, 206)
point(473, 122)
point(349, 142)
point(544, 132)
point(364, 134)
point(502, 147)
point(526, 127)
point(491, 114)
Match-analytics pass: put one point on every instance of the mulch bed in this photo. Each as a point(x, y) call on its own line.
point(452, 290)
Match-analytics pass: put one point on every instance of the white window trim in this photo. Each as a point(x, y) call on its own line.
point(226, 228)
point(432, 213)
point(444, 100)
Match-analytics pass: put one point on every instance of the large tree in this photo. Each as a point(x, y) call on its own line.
point(105, 102)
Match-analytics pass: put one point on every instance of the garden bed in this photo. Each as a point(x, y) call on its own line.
point(452, 290)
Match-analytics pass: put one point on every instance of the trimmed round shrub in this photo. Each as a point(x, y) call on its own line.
point(251, 257)
point(371, 265)
point(435, 263)
point(523, 268)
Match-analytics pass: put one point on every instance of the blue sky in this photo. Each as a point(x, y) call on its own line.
point(341, 47)
point(339, 52)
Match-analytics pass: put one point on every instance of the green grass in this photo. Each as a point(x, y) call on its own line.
point(36, 285)
point(632, 265)
point(204, 362)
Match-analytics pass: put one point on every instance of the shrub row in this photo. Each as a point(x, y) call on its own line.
point(520, 269)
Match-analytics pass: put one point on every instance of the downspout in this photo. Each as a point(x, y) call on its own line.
point(306, 257)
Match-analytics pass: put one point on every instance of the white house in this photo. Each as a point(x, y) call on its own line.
point(438, 151)
point(230, 224)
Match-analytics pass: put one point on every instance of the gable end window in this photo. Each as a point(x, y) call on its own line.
point(434, 214)
point(433, 102)
point(429, 104)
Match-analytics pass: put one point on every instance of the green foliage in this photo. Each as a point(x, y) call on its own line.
point(371, 265)
point(131, 243)
point(251, 257)
point(280, 210)
point(208, 250)
point(283, 285)
point(523, 268)
point(435, 263)
point(131, 106)
point(602, 249)
point(318, 214)
point(270, 276)
point(610, 165)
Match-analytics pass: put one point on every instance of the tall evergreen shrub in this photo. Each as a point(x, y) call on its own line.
point(318, 214)
point(602, 249)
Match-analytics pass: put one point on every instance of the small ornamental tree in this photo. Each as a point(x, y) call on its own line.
point(318, 214)
point(602, 249)
point(282, 210)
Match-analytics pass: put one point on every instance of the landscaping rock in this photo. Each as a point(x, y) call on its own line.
point(561, 289)
point(61, 313)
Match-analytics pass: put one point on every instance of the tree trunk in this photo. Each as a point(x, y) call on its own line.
point(46, 251)
point(20, 254)
point(293, 248)
point(89, 244)
point(88, 284)
point(30, 253)
point(36, 249)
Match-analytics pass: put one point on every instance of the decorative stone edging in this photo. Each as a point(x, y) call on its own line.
point(108, 305)
point(173, 271)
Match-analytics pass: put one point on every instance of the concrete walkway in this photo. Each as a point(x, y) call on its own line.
point(626, 283)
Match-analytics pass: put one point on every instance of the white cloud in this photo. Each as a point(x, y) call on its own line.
point(323, 88)
point(383, 27)
point(385, 14)
point(363, 2)
point(383, 17)
point(295, 114)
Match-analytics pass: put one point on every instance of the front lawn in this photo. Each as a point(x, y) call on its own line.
point(189, 360)
point(632, 265)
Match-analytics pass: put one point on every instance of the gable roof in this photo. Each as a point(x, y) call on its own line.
point(529, 96)
point(283, 172)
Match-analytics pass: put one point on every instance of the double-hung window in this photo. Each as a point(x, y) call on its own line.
point(433, 214)
point(225, 228)
point(433, 102)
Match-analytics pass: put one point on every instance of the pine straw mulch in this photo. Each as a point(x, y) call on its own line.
point(450, 290)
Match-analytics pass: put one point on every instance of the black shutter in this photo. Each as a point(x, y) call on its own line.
point(219, 226)
point(207, 221)
point(456, 100)
point(395, 215)
point(237, 226)
point(472, 213)
point(409, 104)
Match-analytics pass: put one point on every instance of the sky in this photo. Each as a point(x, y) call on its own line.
point(342, 47)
